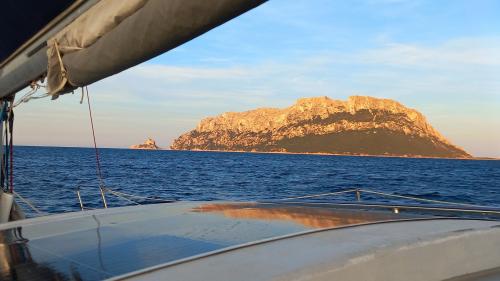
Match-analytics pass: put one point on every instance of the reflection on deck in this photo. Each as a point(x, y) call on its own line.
point(16, 262)
point(308, 217)
point(95, 245)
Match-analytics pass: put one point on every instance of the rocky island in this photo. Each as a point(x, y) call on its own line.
point(148, 144)
point(359, 126)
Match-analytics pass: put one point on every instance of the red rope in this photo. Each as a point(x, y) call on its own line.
point(99, 173)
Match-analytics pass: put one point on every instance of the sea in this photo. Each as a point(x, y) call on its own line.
point(49, 177)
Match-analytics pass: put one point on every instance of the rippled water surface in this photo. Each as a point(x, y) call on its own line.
point(49, 176)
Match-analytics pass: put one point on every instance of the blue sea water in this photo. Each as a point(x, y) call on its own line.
point(49, 176)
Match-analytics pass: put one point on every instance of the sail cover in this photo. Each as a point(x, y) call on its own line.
point(114, 35)
point(82, 33)
point(128, 34)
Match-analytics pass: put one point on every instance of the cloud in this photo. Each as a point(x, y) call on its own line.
point(463, 52)
point(186, 74)
point(467, 66)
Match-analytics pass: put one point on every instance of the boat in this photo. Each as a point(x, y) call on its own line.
point(74, 43)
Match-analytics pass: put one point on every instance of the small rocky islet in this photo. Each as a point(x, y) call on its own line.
point(149, 144)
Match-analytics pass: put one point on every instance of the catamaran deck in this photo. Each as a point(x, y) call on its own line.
point(243, 241)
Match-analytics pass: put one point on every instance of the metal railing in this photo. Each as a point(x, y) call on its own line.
point(442, 207)
point(130, 198)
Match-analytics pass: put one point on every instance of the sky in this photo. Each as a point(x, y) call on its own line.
point(439, 57)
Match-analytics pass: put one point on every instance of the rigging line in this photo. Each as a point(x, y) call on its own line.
point(11, 144)
point(25, 201)
point(31, 94)
point(98, 161)
point(319, 195)
point(31, 97)
point(34, 87)
point(137, 196)
point(122, 197)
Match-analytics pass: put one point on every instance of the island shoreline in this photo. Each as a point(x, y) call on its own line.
point(335, 154)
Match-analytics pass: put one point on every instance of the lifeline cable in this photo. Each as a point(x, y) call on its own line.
point(383, 194)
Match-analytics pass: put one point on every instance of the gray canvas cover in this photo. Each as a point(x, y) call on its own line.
point(83, 32)
point(144, 30)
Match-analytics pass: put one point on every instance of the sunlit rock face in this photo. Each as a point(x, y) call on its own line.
point(148, 144)
point(359, 126)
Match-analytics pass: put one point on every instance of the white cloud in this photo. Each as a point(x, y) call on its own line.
point(479, 52)
point(181, 74)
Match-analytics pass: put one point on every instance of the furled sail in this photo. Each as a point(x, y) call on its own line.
point(114, 35)
point(82, 33)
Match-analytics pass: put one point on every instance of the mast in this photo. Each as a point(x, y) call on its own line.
point(6, 158)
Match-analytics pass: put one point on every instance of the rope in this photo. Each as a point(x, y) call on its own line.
point(33, 90)
point(30, 95)
point(127, 197)
point(98, 162)
point(25, 201)
point(83, 95)
point(319, 195)
point(117, 194)
point(59, 58)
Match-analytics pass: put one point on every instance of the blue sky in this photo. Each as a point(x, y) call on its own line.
point(439, 57)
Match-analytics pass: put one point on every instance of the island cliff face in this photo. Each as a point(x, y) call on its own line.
point(148, 144)
point(359, 126)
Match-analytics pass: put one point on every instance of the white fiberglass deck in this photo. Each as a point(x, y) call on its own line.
point(245, 241)
point(415, 250)
point(100, 244)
